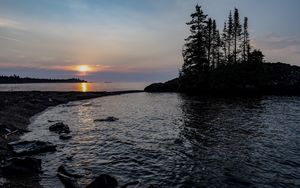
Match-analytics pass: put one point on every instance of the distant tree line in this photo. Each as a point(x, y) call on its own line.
point(16, 79)
point(206, 48)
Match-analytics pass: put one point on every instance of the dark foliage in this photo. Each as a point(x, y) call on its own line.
point(16, 79)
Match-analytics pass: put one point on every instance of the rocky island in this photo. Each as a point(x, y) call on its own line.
point(224, 63)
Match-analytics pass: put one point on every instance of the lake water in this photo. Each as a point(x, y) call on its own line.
point(172, 140)
point(82, 87)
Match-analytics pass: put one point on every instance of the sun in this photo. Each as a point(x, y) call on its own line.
point(84, 68)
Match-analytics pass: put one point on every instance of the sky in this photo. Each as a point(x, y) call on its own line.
point(128, 40)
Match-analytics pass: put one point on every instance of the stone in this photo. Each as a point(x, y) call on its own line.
point(103, 181)
point(69, 182)
point(130, 184)
point(31, 147)
point(65, 136)
point(69, 172)
point(108, 119)
point(59, 128)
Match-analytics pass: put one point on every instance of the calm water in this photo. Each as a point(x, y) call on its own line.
point(172, 140)
point(83, 87)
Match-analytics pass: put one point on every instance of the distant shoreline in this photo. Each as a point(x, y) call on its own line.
point(19, 80)
point(44, 83)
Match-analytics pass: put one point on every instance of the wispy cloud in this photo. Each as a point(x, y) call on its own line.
point(9, 23)
point(280, 48)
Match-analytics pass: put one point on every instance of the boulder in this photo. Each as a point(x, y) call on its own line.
point(103, 181)
point(59, 128)
point(69, 172)
point(108, 119)
point(130, 184)
point(27, 166)
point(31, 147)
point(65, 136)
point(69, 182)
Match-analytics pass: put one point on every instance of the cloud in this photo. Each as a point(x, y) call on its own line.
point(279, 48)
point(8, 23)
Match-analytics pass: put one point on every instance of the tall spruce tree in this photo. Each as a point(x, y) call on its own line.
point(194, 51)
point(246, 41)
point(224, 42)
point(209, 39)
point(229, 37)
point(214, 44)
point(237, 30)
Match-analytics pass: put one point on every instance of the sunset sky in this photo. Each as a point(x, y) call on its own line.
point(128, 40)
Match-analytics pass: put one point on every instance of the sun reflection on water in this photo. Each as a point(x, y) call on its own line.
point(84, 87)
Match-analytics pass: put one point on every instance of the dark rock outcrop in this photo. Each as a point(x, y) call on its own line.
point(237, 79)
point(103, 181)
point(31, 147)
point(59, 128)
point(108, 119)
point(27, 166)
point(169, 86)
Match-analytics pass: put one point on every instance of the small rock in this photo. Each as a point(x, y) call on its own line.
point(68, 182)
point(31, 147)
point(103, 181)
point(130, 184)
point(27, 166)
point(68, 172)
point(59, 128)
point(65, 136)
point(109, 119)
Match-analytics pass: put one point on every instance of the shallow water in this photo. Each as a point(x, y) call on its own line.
point(171, 140)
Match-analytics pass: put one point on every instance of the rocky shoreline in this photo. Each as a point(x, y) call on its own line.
point(16, 109)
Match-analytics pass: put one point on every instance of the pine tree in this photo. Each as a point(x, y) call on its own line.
point(214, 43)
point(218, 48)
point(209, 39)
point(194, 51)
point(224, 42)
point(229, 37)
point(237, 29)
point(246, 41)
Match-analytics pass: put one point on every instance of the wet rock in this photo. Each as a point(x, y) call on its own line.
point(65, 136)
point(69, 172)
point(59, 128)
point(130, 184)
point(103, 181)
point(108, 119)
point(69, 182)
point(31, 147)
point(27, 166)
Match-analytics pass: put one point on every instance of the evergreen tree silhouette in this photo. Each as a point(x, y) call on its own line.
point(194, 51)
point(229, 37)
point(246, 41)
point(224, 42)
point(209, 39)
point(237, 29)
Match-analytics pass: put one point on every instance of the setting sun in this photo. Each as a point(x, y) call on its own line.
point(84, 68)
